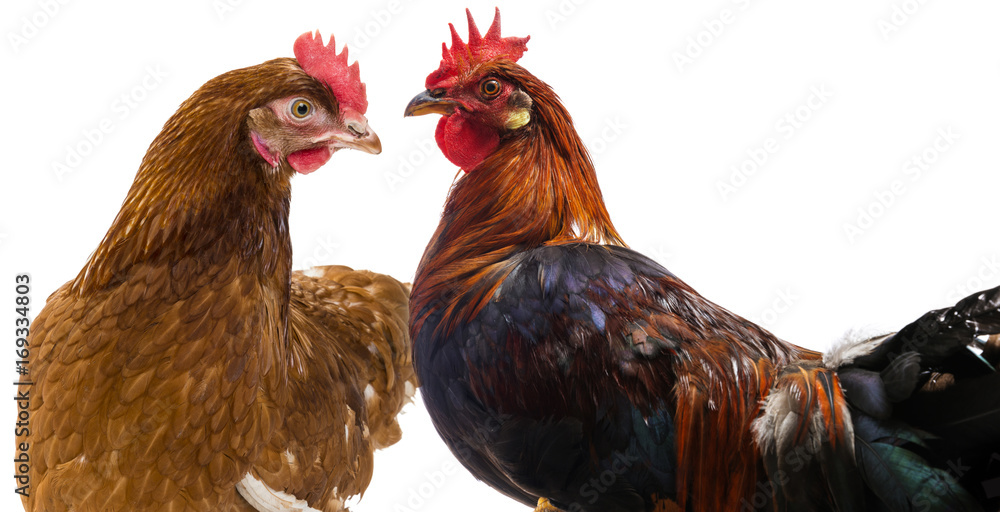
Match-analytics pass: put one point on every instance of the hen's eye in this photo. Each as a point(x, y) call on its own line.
point(301, 108)
point(490, 88)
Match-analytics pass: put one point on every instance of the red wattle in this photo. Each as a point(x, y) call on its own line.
point(465, 142)
point(263, 150)
point(308, 160)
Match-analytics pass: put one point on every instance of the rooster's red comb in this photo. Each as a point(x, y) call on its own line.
point(324, 64)
point(461, 56)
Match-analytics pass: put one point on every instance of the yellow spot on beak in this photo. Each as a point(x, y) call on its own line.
point(518, 118)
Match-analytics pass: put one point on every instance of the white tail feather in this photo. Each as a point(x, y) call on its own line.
point(266, 499)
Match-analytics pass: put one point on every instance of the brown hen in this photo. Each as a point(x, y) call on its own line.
point(166, 372)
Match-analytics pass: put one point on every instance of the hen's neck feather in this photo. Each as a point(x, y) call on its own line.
point(201, 191)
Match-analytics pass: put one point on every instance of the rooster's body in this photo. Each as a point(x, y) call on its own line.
point(168, 371)
point(558, 364)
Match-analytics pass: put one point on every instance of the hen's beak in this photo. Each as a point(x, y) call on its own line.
point(425, 103)
point(367, 142)
point(358, 135)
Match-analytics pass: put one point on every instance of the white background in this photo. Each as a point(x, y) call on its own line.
point(664, 134)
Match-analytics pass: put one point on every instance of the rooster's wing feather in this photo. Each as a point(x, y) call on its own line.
point(613, 359)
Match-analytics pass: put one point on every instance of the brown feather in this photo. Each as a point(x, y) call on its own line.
point(160, 374)
point(347, 332)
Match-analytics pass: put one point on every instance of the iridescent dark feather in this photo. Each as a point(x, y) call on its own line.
point(933, 441)
point(570, 368)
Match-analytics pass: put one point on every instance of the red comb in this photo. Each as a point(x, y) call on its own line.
point(322, 63)
point(461, 56)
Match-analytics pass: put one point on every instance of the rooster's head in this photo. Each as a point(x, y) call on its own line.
point(479, 92)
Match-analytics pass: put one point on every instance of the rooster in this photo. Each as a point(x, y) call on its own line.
point(186, 368)
point(572, 373)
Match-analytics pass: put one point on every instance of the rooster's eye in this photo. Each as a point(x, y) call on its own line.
point(301, 109)
point(490, 88)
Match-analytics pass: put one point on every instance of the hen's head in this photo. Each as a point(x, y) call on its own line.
point(218, 173)
point(282, 115)
point(479, 91)
point(306, 125)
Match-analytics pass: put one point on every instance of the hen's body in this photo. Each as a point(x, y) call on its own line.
point(558, 364)
point(169, 379)
point(159, 367)
point(349, 375)
point(162, 370)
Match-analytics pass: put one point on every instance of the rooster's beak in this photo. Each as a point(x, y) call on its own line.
point(358, 135)
point(425, 103)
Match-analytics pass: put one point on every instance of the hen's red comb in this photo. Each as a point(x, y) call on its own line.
point(461, 56)
point(322, 63)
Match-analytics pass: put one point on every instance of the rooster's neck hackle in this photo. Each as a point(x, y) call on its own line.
point(538, 188)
